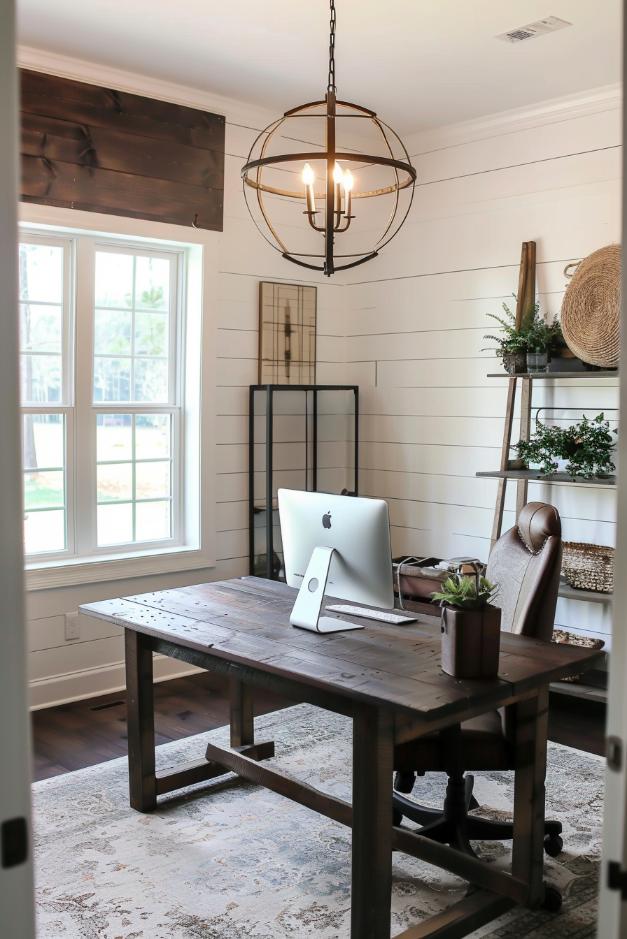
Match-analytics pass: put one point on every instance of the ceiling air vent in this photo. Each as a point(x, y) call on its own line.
point(548, 25)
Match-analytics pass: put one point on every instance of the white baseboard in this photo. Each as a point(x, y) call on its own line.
point(92, 682)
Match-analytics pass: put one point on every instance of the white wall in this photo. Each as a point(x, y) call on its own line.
point(431, 418)
point(60, 670)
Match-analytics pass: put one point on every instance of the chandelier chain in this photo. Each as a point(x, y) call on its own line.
point(331, 83)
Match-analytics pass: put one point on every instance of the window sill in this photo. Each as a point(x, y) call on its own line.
point(113, 567)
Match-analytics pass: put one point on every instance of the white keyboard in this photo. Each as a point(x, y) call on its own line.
point(382, 616)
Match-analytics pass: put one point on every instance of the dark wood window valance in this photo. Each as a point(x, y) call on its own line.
point(101, 150)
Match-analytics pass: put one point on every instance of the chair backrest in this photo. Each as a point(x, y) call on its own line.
point(525, 562)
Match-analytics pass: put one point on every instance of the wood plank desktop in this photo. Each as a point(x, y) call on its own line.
point(388, 680)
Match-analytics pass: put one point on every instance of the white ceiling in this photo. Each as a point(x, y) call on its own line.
point(419, 63)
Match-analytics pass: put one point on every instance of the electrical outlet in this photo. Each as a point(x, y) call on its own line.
point(72, 627)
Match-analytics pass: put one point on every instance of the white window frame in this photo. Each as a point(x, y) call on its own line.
point(66, 406)
point(87, 408)
point(193, 548)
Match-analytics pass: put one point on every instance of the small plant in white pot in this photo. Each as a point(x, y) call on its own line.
point(471, 627)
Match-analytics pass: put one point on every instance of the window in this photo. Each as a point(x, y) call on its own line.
point(101, 388)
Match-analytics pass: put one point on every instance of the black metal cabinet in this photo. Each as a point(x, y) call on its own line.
point(299, 437)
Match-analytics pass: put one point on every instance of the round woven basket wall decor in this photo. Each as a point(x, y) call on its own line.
point(591, 308)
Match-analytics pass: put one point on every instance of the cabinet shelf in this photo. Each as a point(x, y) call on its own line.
point(536, 476)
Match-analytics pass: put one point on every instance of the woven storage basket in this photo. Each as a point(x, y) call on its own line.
point(588, 566)
point(591, 308)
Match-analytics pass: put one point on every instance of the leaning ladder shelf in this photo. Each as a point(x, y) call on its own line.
point(522, 478)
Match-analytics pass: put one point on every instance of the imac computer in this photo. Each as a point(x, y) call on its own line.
point(338, 545)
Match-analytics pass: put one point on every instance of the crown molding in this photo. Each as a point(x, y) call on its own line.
point(551, 111)
point(94, 73)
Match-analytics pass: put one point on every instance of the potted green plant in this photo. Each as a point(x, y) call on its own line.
point(471, 627)
point(585, 449)
point(511, 344)
point(543, 338)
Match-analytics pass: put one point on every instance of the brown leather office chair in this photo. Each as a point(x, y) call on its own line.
point(525, 562)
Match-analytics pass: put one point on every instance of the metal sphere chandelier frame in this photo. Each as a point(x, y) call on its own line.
point(341, 169)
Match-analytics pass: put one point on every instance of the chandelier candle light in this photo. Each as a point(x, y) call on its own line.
point(353, 155)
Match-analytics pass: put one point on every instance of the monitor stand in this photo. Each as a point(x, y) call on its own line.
point(306, 610)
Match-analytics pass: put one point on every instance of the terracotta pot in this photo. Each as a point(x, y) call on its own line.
point(471, 641)
point(514, 362)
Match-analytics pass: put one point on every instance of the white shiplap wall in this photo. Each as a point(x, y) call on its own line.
point(431, 418)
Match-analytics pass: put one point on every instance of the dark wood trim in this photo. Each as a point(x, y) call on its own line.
point(101, 150)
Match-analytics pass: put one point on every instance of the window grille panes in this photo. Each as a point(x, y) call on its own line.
point(41, 295)
point(101, 369)
point(135, 477)
point(43, 446)
point(132, 328)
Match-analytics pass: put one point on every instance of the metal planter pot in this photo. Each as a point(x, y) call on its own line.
point(514, 362)
point(471, 641)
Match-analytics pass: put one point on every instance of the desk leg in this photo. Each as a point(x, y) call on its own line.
point(141, 722)
point(242, 718)
point(529, 793)
point(373, 759)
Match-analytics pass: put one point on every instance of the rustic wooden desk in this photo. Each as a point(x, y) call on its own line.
point(388, 680)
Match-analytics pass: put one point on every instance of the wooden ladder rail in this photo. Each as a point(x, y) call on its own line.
point(525, 301)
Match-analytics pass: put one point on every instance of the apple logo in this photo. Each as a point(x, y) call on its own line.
point(326, 520)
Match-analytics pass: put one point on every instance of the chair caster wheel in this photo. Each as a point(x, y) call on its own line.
point(397, 817)
point(552, 902)
point(553, 845)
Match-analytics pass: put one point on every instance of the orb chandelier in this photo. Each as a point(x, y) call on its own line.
point(328, 184)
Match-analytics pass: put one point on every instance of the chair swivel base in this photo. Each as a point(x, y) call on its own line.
point(453, 825)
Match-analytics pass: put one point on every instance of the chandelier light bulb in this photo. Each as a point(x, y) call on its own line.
point(338, 174)
point(308, 176)
point(348, 180)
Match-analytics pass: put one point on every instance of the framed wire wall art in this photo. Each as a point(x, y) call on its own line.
point(287, 334)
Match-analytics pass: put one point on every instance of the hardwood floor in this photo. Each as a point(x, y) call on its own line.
point(83, 733)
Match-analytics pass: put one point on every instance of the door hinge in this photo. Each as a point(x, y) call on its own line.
point(617, 878)
point(614, 753)
point(14, 837)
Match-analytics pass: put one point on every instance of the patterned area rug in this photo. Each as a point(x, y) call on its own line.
point(239, 862)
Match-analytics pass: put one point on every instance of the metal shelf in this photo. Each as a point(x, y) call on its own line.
point(589, 596)
point(536, 476)
point(543, 376)
point(263, 527)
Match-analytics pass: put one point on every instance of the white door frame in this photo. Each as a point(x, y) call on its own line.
point(16, 886)
point(613, 907)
